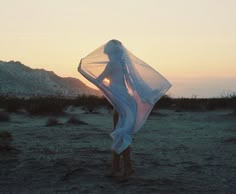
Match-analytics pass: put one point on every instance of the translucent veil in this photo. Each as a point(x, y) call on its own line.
point(129, 84)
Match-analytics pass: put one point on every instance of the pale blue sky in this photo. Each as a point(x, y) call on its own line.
point(188, 41)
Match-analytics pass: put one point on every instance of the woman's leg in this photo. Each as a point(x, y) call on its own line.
point(128, 170)
point(115, 157)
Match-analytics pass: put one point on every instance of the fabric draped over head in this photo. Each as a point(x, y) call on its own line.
point(128, 83)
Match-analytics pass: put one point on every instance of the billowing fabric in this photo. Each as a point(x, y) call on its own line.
point(129, 84)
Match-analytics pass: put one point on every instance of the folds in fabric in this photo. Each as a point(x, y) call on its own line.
point(130, 85)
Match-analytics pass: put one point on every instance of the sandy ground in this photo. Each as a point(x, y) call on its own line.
point(175, 152)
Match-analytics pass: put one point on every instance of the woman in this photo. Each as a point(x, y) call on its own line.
point(131, 86)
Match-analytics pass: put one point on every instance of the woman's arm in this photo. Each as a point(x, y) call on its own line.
point(105, 73)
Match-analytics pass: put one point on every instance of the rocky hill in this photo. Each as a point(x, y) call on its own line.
point(16, 79)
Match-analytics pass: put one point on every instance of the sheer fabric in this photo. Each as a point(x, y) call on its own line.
point(129, 84)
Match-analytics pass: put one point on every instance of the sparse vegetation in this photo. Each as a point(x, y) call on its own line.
point(57, 105)
point(15, 105)
point(76, 121)
point(91, 103)
point(5, 141)
point(5, 135)
point(52, 121)
point(4, 116)
point(234, 104)
point(197, 104)
point(45, 106)
point(164, 102)
point(11, 104)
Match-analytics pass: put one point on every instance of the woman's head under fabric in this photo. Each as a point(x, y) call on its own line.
point(129, 84)
point(114, 50)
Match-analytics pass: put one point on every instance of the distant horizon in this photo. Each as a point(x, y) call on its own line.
point(183, 87)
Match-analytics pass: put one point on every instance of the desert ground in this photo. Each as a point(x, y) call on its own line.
point(174, 152)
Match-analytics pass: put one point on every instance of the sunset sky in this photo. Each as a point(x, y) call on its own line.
point(190, 42)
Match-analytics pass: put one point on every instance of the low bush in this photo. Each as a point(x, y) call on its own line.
point(5, 141)
point(57, 105)
point(5, 135)
point(14, 105)
point(76, 121)
point(234, 104)
point(11, 104)
point(4, 117)
point(52, 121)
point(45, 106)
point(164, 102)
point(91, 103)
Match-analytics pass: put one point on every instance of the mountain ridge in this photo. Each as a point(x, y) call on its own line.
point(17, 79)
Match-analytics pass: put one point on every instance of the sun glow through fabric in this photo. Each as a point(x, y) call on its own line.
point(129, 84)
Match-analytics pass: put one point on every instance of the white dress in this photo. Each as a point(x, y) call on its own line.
point(129, 84)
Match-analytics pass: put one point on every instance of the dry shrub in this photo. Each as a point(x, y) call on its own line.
point(76, 121)
point(5, 135)
point(5, 141)
point(45, 106)
point(52, 121)
point(4, 117)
